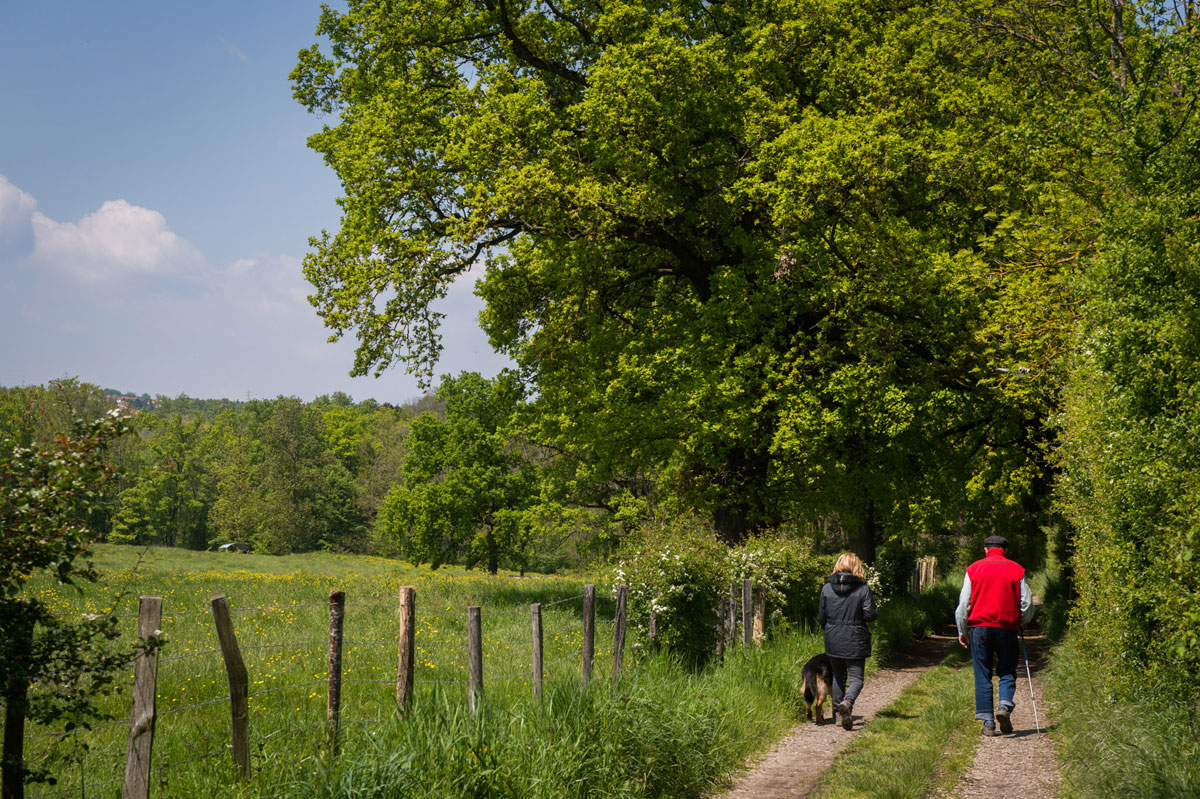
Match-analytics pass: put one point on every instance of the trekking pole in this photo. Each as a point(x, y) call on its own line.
point(1029, 677)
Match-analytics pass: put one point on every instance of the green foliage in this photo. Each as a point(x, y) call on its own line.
point(907, 618)
point(1118, 737)
point(466, 487)
point(677, 571)
point(1131, 484)
point(744, 254)
point(53, 667)
point(788, 572)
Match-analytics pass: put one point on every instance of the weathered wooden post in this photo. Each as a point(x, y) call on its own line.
point(731, 611)
point(239, 684)
point(535, 614)
point(747, 612)
point(12, 779)
point(760, 615)
point(142, 715)
point(589, 634)
point(619, 633)
point(333, 703)
point(406, 653)
point(474, 658)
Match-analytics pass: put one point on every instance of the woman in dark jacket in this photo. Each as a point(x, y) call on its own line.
point(846, 607)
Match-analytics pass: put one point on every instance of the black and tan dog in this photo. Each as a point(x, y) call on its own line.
point(817, 676)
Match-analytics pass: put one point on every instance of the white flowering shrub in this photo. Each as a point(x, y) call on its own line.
point(875, 583)
point(786, 570)
point(677, 571)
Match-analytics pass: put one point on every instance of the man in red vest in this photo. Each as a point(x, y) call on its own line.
point(995, 603)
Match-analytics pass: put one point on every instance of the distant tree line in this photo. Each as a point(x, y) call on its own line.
point(441, 479)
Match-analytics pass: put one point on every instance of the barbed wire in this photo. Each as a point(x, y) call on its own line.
point(200, 756)
point(76, 731)
point(286, 687)
point(288, 731)
point(198, 654)
point(560, 601)
point(76, 789)
point(280, 607)
point(206, 703)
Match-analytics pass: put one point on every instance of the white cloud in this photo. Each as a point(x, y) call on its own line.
point(233, 50)
point(117, 240)
point(16, 220)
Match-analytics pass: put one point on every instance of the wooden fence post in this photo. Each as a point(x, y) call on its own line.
point(239, 684)
point(760, 615)
point(12, 779)
point(535, 615)
point(747, 612)
point(142, 715)
point(589, 634)
point(407, 648)
point(652, 630)
point(474, 658)
point(333, 704)
point(731, 611)
point(619, 633)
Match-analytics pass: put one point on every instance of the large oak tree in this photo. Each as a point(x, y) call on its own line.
point(748, 248)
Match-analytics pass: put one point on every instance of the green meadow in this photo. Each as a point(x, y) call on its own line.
point(280, 613)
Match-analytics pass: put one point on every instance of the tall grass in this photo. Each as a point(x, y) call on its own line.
point(1121, 740)
point(664, 732)
point(280, 615)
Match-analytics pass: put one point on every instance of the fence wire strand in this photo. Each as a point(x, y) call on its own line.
point(286, 687)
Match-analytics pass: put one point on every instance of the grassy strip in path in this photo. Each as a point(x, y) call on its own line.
point(921, 742)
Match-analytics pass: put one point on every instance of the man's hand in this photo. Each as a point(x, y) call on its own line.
point(962, 639)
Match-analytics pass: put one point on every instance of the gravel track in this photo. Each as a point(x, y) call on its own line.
point(1022, 764)
point(793, 765)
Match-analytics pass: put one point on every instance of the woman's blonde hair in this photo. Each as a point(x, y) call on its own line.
point(849, 562)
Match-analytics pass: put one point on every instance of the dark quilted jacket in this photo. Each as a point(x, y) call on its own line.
point(846, 607)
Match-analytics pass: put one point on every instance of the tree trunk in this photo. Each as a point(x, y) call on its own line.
point(12, 769)
point(493, 556)
point(731, 524)
point(862, 541)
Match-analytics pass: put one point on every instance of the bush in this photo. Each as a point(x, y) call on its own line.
point(678, 572)
point(911, 617)
point(786, 569)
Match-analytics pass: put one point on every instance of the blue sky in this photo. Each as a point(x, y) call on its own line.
point(156, 199)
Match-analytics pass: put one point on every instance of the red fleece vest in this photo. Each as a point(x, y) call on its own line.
point(995, 591)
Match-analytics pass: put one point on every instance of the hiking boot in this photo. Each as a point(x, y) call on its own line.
point(844, 711)
point(1002, 718)
point(989, 729)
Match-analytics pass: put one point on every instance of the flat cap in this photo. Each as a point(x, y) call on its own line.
point(996, 541)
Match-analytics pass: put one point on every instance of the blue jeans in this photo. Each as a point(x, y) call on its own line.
point(843, 688)
point(988, 643)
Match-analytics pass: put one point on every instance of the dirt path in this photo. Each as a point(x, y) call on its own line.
point(791, 768)
point(1023, 763)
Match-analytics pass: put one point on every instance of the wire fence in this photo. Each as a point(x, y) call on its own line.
point(278, 705)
